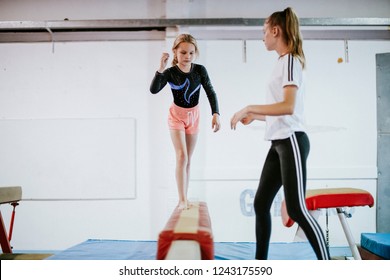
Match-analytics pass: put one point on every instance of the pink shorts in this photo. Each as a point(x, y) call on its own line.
point(185, 119)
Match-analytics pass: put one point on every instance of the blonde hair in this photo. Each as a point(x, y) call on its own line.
point(288, 21)
point(183, 38)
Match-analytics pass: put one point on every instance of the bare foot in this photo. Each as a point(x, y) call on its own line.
point(190, 204)
point(183, 205)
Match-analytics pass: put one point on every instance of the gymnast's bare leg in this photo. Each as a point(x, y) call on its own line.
point(184, 145)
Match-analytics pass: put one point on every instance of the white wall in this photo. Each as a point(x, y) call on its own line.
point(122, 9)
point(79, 82)
point(110, 80)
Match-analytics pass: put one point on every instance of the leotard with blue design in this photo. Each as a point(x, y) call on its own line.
point(186, 86)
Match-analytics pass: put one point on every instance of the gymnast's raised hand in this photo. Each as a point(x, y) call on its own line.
point(163, 62)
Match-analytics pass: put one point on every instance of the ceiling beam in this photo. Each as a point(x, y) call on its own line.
point(163, 23)
point(203, 28)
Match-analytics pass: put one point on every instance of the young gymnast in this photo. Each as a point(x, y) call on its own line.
point(185, 79)
point(285, 164)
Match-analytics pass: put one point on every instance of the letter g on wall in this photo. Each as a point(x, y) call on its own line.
point(246, 202)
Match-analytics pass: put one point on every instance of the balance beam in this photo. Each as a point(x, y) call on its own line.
point(187, 235)
point(11, 195)
point(338, 198)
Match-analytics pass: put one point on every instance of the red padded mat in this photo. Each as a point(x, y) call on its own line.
point(331, 198)
point(193, 224)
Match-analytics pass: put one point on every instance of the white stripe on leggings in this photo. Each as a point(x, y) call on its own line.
point(302, 199)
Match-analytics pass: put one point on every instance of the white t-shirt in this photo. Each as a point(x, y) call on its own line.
point(288, 71)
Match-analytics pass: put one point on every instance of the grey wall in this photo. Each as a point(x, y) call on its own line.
point(383, 91)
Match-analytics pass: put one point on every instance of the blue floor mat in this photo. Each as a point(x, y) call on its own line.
point(377, 243)
point(96, 249)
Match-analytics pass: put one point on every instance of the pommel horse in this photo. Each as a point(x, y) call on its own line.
point(338, 198)
point(11, 195)
point(187, 235)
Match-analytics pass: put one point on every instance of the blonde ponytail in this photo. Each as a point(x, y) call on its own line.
point(288, 21)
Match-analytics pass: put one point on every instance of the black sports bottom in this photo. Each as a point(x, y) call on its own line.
point(285, 166)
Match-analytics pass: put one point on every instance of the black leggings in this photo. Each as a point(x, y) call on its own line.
point(286, 165)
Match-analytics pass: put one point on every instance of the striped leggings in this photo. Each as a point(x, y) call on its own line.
point(285, 166)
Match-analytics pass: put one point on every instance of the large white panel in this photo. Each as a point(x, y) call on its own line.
point(69, 158)
point(75, 124)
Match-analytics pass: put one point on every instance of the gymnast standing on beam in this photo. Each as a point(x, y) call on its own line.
point(185, 79)
point(285, 164)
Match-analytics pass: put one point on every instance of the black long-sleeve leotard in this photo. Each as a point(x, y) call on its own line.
point(186, 86)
